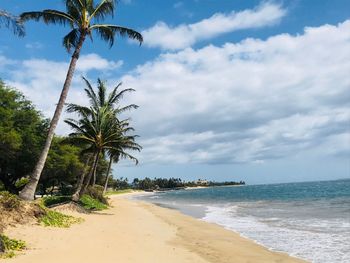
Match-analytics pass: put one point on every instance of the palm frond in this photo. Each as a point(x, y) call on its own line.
point(71, 39)
point(106, 7)
point(12, 22)
point(108, 32)
point(49, 17)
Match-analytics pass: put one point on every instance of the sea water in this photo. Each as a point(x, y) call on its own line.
point(308, 220)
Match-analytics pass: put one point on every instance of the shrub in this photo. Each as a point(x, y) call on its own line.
point(53, 200)
point(9, 201)
point(96, 192)
point(90, 203)
point(10, 245)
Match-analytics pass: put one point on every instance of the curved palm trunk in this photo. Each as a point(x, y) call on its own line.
point(92, 171)
point(29, 190)
point(107, 175)
point(76, 195)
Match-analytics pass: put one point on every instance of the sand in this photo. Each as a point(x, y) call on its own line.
point(134, 231)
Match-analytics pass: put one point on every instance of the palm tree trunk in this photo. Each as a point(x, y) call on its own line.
point(92, 171)
point(107, 175)
point(76, 195)
point(29, 190)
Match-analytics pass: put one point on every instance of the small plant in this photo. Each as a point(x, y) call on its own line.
point(57, 219)
point(10, 246)
point(9, 201)
point(90, 203)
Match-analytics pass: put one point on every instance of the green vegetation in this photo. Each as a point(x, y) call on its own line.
point(10, 246)
point(90, 203)
point(173, 183)
point(21, 137)
point(57, 219)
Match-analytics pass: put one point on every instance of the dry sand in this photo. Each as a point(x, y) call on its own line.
point(133, 231)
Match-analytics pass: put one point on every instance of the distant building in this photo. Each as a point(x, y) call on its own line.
point(202, 182)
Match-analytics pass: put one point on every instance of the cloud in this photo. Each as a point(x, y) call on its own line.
point(251, 101)
point(95, 62)
point(34, 45)
point(183, 36)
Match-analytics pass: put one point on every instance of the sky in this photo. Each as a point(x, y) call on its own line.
point(228, 90)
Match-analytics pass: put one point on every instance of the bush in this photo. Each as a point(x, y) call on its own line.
point(9, 201)
point(96, 192)
point(53, 200)
point(90, 203)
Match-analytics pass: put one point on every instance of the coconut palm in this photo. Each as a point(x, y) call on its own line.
point(10, 21)
point(103, 108)
point(119, 150)
point(98, 130)
point(83, 17)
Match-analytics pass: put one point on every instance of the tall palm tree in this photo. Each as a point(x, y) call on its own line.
point(11, 21)
point(83, 17)
point(118, 151)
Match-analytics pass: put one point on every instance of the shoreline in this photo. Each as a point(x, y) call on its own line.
point(136, 231)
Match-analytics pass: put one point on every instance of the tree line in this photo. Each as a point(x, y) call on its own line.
point(164, 183)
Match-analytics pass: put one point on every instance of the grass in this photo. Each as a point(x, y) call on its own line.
point(11, 245)
point(117, 192)
point(90, 203)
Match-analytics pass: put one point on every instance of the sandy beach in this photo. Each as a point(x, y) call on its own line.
point(134, 231)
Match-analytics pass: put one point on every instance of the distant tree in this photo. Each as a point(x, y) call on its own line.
point(83, 17)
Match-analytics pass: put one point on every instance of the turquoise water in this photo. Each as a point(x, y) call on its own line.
point(309, 220)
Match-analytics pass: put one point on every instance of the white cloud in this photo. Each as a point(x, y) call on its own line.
point(34, 45)
point(95, 62)
point(247, 102)
point(182, 36)
point(255, 100)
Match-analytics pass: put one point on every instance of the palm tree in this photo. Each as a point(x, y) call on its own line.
point(12, 22)
point(99, 128)
point(119, 150)
point(80, 16)
point(98, 131)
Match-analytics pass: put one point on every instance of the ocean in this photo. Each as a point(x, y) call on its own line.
point(309, 220)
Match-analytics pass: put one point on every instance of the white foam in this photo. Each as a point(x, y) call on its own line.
point(292, 236)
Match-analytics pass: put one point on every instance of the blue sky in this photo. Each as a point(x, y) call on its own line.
point(228, 90)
